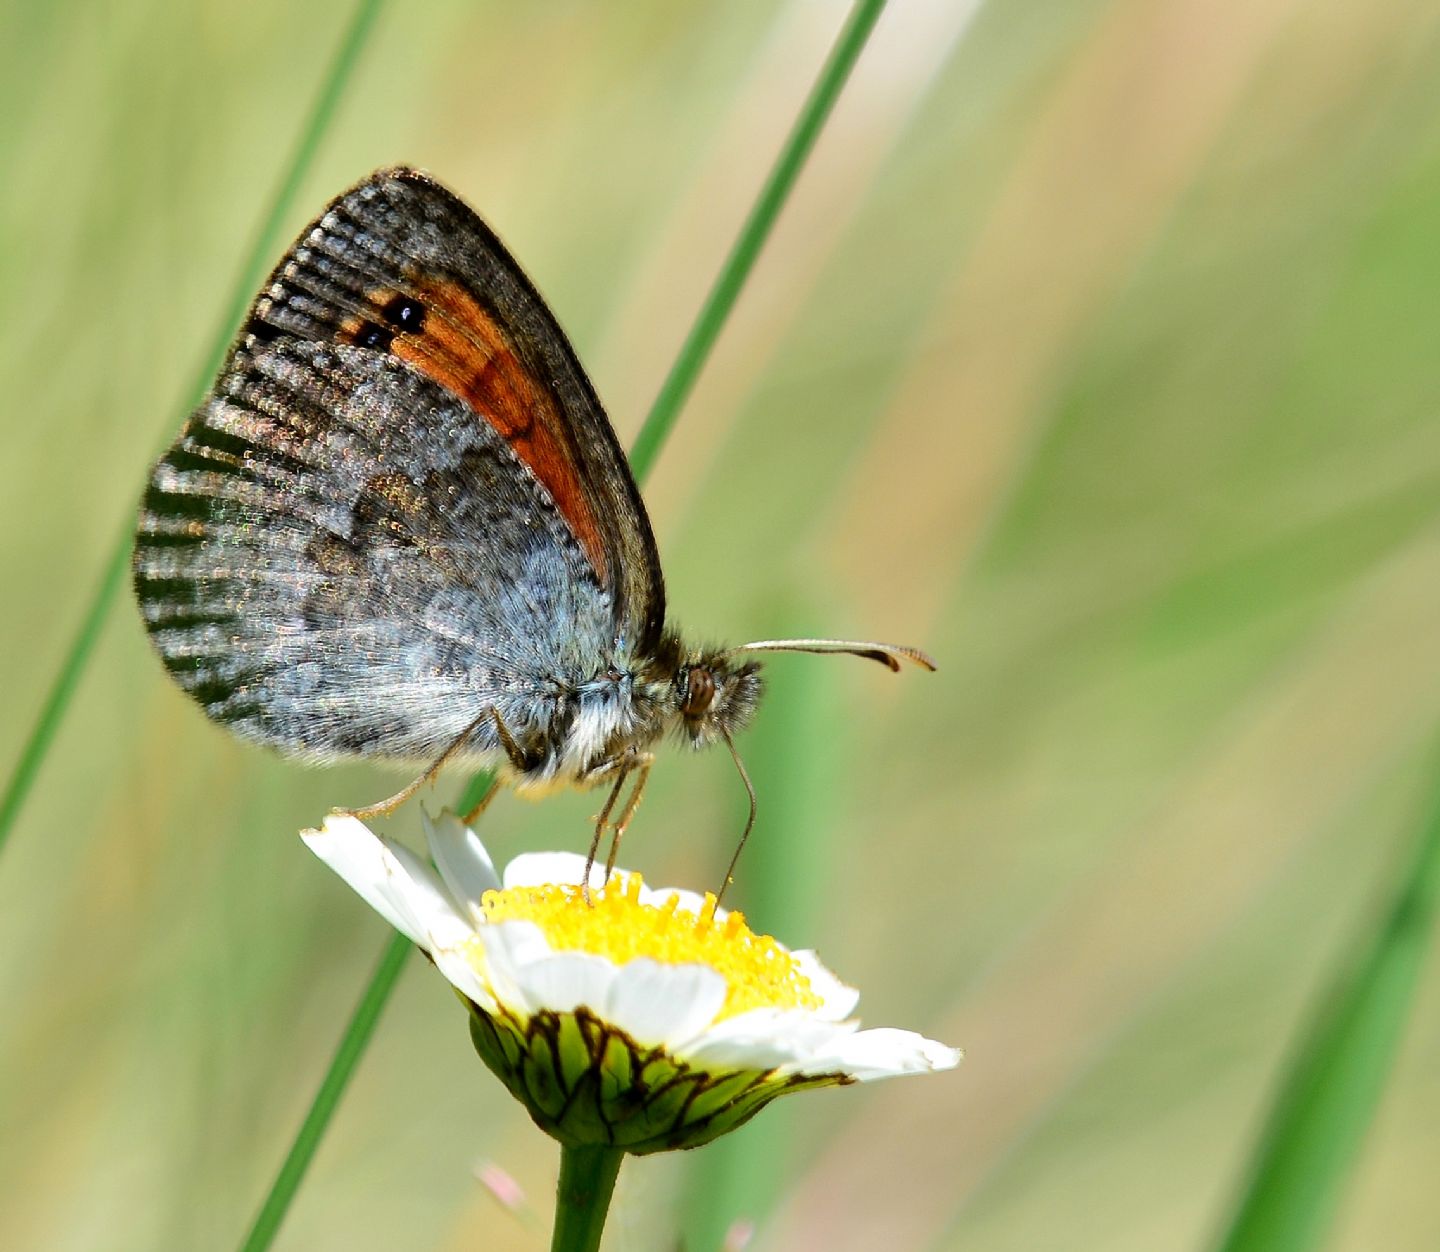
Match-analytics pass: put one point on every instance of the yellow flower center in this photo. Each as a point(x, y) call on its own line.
point(758, 972)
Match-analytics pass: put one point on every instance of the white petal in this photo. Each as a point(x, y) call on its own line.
point(837, 1000)
point(515, 944)
point(566, 981)
point(656, 1002)
point(462, 860)
point(446, 921)
point(511, 949)
point(882, 1053)
point(535, 869)
point(397, 885)
point(768, 1039)
point(455, 964)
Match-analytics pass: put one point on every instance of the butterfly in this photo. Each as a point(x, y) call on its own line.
point(400, 525)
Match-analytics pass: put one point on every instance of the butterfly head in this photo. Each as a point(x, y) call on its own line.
point(714, 696)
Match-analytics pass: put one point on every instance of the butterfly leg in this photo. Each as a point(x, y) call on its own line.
point(482, 803)
point(513, 752)
point(385, 807)
point(641, 767)
point(601, 822)
point(519, 762)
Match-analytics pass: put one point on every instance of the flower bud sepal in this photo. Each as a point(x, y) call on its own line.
point(586, 1083)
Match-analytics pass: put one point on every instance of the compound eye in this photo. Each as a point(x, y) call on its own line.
point(699, 691)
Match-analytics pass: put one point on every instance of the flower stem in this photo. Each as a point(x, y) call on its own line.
point(582, 1198)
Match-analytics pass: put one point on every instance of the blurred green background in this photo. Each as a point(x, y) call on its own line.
point(1096, 354)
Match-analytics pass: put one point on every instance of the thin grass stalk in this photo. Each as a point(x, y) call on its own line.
point(699, 343)
point(267, 242)
point(1328, 1096)
point(658, 424)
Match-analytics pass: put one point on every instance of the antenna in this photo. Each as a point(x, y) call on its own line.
point(749, 822)
point(889, 654)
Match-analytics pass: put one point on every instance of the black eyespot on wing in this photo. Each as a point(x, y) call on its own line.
point(405, 312)
point(375, 336)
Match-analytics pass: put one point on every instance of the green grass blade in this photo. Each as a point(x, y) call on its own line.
point(268, 238)
point(657, 427)
point(267, 242)
point(695, 351)
point(1329, 1095)
point(52, 712)
point(337, 1077)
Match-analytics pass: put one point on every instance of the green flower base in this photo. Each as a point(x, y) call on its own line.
point(585, 1083)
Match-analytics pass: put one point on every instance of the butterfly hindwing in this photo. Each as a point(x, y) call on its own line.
point(335, 559)
point(402, 502)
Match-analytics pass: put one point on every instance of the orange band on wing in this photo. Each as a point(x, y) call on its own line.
point(462, 348)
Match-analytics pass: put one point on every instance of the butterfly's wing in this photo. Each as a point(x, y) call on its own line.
point(401, 503)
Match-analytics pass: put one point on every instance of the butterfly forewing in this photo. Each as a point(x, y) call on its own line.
point(401, 504)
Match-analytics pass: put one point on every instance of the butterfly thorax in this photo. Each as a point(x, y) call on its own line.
point(624, 710)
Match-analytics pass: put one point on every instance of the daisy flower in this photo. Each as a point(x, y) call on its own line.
point(649, 1019)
